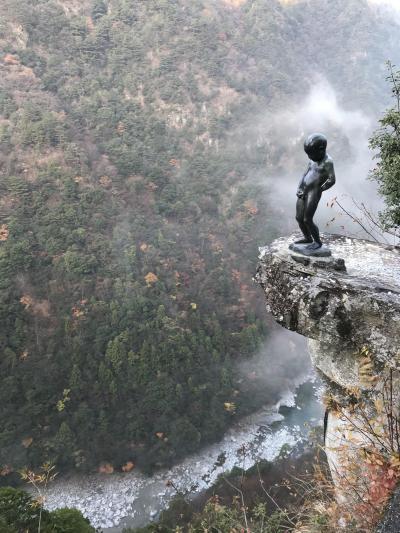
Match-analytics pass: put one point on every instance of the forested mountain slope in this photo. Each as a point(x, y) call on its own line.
point(129, 212)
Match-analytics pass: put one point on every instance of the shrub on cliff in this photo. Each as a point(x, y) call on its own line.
point(70, 521)
point(386, 142)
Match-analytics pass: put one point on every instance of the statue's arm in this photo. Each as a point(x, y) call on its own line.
point(331, 180)
point(300, 188)
point(305, 173)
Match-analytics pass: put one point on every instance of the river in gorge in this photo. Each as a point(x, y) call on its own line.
point(112, 502)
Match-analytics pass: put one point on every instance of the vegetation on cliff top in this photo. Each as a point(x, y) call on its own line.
point(386, 144)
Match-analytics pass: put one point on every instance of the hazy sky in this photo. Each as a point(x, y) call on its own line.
point(392, 3)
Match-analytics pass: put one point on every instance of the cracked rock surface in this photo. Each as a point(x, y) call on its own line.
point(346, 309)
point(348, 305)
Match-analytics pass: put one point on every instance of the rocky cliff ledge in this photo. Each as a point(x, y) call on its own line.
point(348, 306)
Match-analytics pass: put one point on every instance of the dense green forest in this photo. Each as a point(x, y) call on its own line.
point(131, 210)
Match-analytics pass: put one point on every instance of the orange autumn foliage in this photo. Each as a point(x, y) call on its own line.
point(27, 442)
point(250, 207)
point(9, 59)
point(236, 275)
point(127, 467)
point(26, 300)
point(105, 181)
point(4, 232)
point(77, 313)
point(106, 468)
point(5, 470)
point(150, 279)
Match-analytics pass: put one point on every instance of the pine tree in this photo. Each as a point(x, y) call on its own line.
point(386, 143)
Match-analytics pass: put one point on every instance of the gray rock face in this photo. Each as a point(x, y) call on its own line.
point(348, 305)
point(391, 521)
point(345, 309)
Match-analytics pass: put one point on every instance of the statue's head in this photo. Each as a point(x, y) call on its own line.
point(315, 146)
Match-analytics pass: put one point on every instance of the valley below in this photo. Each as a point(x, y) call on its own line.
point(113, 502)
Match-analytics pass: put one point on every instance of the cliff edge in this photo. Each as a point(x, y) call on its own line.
point(348, 306)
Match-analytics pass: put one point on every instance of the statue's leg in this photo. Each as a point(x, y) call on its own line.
point(311, 204)
point(300, 213)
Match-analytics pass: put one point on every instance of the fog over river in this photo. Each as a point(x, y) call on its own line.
point(112, 502)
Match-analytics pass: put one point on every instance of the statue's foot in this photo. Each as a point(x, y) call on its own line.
point(314, 246)
point(303, 241)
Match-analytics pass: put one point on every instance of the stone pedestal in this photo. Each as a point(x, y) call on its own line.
point(304, 249)
point(348, 305)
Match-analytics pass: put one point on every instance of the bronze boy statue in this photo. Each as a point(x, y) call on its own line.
point(319, 177)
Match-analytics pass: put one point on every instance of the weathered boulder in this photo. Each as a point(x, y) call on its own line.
point(343, 309)
point(348, 305)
